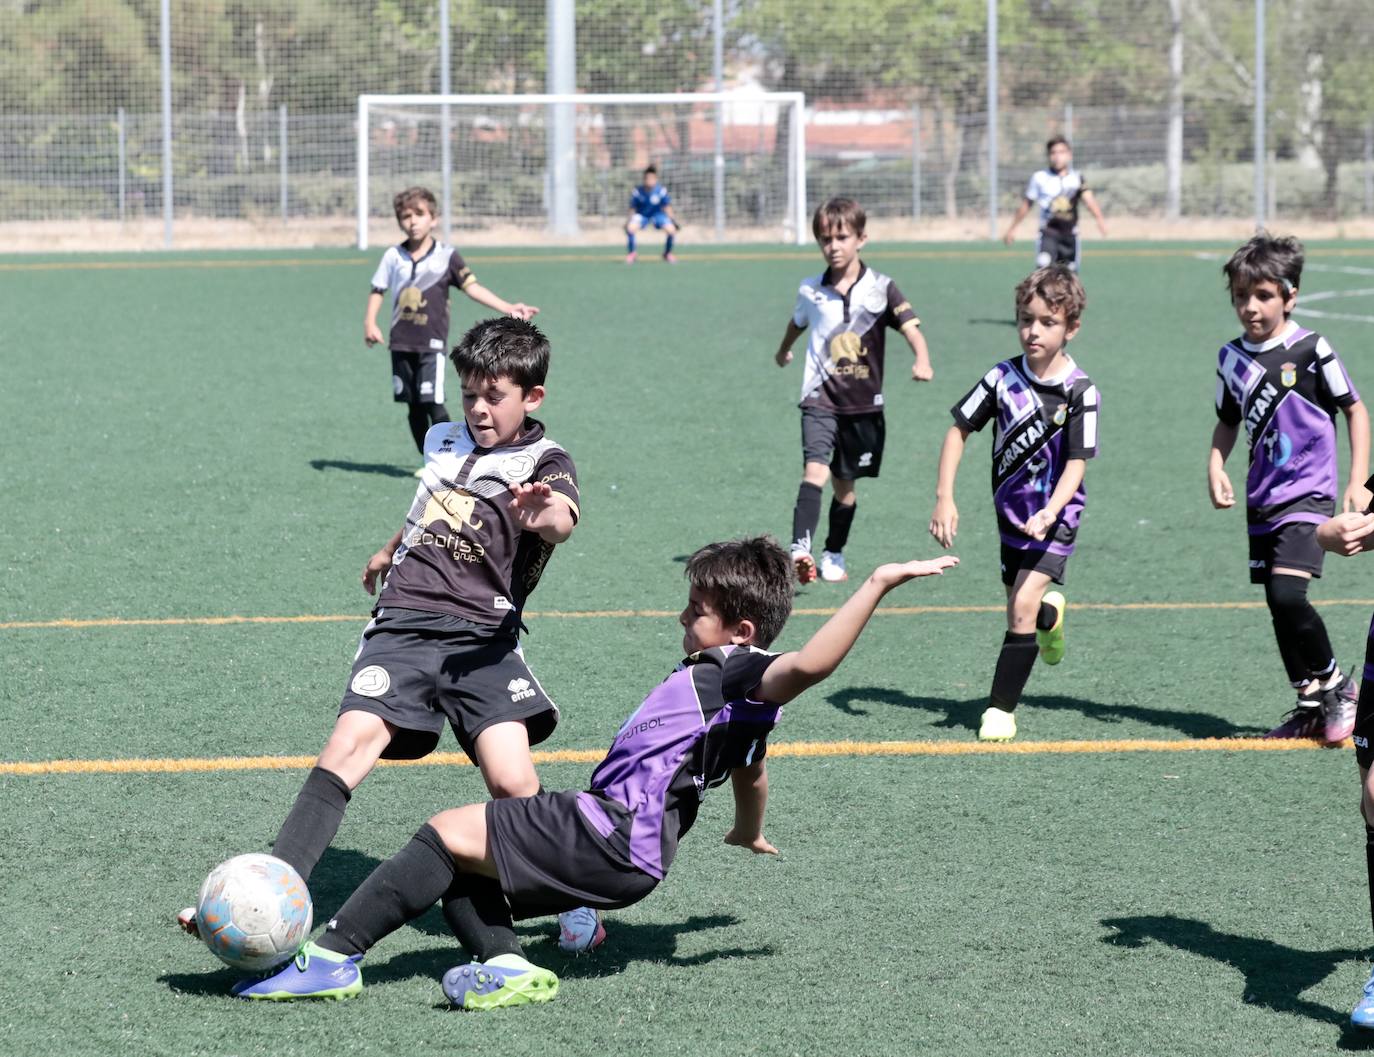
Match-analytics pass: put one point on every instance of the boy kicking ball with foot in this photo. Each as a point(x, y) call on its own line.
point(609, 846)
point(1045, 413)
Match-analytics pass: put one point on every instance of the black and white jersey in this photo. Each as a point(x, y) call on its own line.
point(419, 294)
point(462, 549)
point(1056, 195)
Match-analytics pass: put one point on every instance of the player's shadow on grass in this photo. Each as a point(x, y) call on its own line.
point(965, 715)
point(627, 942)
point(1001, 321)
point(386, 469)
point(1275, 975)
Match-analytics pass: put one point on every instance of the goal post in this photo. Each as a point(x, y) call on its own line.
point(507, 180)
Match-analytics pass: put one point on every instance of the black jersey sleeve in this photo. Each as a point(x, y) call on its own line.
point(1228, 411)
point(742, 671)
point(556, 470)
point(1083, 405)
point(899, 311)
point(976, 407)
point(459, 274)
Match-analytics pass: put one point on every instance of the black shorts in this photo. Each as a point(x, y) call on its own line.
point(851, 444)
point(1036, 559)
point(1364, 711)
point(417, 377)
point(551, 859)
point(1290, 546)
point(415, 670)
point(1057, 247)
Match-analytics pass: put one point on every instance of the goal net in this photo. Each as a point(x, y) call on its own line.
point(560, 168)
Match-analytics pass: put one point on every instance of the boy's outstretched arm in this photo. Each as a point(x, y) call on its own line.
point(372, 334)
point(921, 370)
point(379, 563)
point(1043, 520)
point(944, 522)
point(1218, 484)
point(795, 672)
point(539, 509)
point(1357, 423)
point(789, 337)
point(1019, 216)
point(1090, 201)
point(483, 296)
point(750, 785)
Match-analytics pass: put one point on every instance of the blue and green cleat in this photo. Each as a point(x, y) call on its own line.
point(1362, 1016)
point(506, 980)
point(313, 973)
point(1051, 641)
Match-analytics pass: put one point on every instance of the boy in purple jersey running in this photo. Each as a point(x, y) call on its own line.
point(1352, 533)
point(610, 845)
point(1045, 413)
point(1285, 384)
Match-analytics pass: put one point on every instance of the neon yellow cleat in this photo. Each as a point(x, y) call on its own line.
point(997, 725)
point(1051, 642)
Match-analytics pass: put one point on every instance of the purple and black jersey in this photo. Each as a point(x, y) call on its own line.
point(1286, 393)
point(1040, 425)
point(692, 730)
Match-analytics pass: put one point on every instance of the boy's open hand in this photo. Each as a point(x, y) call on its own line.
point(1347, 533)
point(758, 845)
point(894, 573)
point(1219, 486)
point(944, 523)
point(520, 310)
point(783, 357)
point(375, 570)
point(1038, 525)
point(372, 334)
point(533, 504)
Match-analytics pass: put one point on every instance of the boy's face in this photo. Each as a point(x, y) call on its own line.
point(1060, 158)
point(1263, 309)
point(495, 409)
point(1044, 331)
point(650, 180)
point(840, 245)
point(416, 221)
point(703, 628)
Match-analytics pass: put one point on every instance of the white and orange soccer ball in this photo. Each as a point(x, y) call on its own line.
point(254, 912)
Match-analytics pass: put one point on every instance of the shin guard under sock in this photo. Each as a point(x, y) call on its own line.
point(1013, 670)
point(312, 821)
point(806, 515)
point(841, 520)
point(479, 915)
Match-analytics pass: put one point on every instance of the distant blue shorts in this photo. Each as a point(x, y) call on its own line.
point(659, 220)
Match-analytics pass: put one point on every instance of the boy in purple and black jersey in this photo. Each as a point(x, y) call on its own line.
point(609, 845)
point(1045, 413)
point(1284, 385)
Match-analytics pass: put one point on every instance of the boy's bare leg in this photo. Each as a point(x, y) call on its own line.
point(355, 745)
point(1363, 1014)
point(503, 754)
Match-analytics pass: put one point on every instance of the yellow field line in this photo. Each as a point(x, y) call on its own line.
point(603, 614)
point(806, 749)
point(705, 257)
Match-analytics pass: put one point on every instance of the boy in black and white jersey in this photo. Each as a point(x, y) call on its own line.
point(418, 273)
point(1056, 193)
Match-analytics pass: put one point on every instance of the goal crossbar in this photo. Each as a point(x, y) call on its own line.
point(794, 101)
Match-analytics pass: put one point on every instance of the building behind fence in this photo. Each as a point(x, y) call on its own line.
point(1158, 97)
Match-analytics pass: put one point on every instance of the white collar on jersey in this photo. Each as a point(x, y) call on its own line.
point(1057, 379)
point(1289, 329)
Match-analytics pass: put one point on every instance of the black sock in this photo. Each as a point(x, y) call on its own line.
point(1369, 866)
point(437, 413)
point(1014, 665)
point(1298, 627)
point(841, 519)
point(312, 821)
point(806, 515)
point(399, 890)
point(476, 910)
point(1044, 620)
point(419, 424)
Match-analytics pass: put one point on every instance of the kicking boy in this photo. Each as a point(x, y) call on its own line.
point(610, 846)
point(1285, 383)
point(495, 498)
point(848, 308)
point(1057, 192)
point(418, 273)
point(1352, 533)
point(1045, 413)
point(650, 204)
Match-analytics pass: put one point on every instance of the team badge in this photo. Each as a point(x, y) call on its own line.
point(1288, 375)
point(517, 467)
point(845, 346)
point(1061, 206)
point(1060, 414)
point(372, 681)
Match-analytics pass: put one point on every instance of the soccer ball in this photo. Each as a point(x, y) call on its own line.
point(254, 912)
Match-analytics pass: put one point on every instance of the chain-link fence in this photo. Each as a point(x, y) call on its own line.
point(249, 113)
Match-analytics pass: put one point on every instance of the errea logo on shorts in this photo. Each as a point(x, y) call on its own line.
point(520, 689)
point(372, 681)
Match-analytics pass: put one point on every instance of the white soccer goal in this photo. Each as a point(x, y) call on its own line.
point(561, 167)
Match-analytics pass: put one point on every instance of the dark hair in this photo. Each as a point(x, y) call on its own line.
point(1264, 258)
point(746, 579)
point(503, 346)
point(650, 169)
point(1058, 287)
point(837, 211)
point(411, 195)
point(1054, 141)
